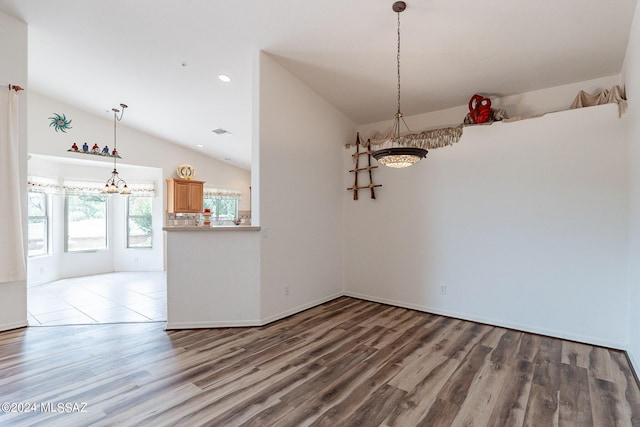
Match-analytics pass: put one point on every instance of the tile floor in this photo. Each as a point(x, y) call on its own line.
point(102, 298)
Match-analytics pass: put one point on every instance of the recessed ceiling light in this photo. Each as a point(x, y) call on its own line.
point(227, 158)
point(199, 145)
point(224, 78)
point(220, 131)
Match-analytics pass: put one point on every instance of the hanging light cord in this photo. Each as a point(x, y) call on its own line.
point(113, 183)
point(398, 63)
point(115, 120)
point(399, 114)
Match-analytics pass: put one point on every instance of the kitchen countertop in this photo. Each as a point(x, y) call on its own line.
point(212, 228)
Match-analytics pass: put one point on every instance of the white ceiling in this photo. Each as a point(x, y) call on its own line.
point(95, 54)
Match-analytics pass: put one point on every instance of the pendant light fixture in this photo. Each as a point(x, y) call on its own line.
point(115, 184)
point(399, 156)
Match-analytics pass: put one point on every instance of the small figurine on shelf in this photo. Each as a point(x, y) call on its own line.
point(105, 150)
point(207, 217)
point(114, 152)
point(95, 148)
point(74, 147)
point(480, 109)
point(85, 147)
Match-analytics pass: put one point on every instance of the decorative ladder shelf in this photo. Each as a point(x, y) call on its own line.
point(358, 169)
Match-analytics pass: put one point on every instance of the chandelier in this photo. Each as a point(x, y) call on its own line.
point(398, 156)
point(115, 184)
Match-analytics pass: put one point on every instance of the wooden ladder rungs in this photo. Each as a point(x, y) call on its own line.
point(363, 169)
point(361, 154)
point(364, 186)
point(357, 168)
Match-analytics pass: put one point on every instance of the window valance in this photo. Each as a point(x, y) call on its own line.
point(52, 186)
point(41, 184)
point(222, 193)
point(143, 190)
point(82, 187)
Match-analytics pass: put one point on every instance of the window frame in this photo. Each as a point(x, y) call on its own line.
point(215, 204)
point(66, 224)
point(128, 216)
point(47, 225)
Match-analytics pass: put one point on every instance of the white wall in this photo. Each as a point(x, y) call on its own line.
point(301, 143)
point(631, 70)
point(136, 148)
point(524, 222)
point(13, 69)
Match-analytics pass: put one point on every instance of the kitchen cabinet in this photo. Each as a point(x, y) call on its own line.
point(184, 195)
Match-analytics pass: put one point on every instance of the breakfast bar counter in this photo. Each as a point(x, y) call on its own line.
point(212, 228)
point(213, 276)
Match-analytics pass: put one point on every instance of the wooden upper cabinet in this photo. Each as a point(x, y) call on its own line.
point(184, 195)
point(196, 194)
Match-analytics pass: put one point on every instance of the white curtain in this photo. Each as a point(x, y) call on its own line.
point(12, 255)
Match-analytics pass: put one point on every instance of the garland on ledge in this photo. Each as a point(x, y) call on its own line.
point(428, 139)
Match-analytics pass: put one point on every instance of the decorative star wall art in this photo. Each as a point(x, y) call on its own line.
point(60, 123)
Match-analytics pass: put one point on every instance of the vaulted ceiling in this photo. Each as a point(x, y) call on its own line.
point(162, 57)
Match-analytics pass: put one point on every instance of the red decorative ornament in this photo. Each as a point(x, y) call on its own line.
point(480, 109)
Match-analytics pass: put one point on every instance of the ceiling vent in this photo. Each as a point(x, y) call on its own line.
point(220, 131)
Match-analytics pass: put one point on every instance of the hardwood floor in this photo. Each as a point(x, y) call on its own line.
point(345, 363)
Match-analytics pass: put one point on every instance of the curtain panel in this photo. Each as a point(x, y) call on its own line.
point(12, 253)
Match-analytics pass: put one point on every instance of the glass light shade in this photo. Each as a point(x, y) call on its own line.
point(399, 157)
point(113, 185)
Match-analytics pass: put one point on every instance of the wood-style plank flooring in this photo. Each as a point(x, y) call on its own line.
point(344, 363)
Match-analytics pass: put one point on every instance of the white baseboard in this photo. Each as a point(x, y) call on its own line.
point(494, 322)
point(458, 315)
point(14, 325)
point(212, 324)
point(245, 323)
point(635, 364)
point(299, 308)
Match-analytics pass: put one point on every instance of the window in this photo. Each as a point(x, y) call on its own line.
point(139, 222)
point(222, 209)
point(86, 222)
point(38, 224)
point(222, 202)
point(227, 209)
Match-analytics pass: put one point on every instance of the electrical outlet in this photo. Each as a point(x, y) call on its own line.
point(443, 289)
point(286, 290)
point(265, 233)
point(135, 259)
